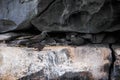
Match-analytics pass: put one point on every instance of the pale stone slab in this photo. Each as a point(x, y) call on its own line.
point(55, 62)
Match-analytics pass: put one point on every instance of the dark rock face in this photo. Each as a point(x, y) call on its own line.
point(70, 44)
point(88, 16)
point(77, 76)
point(116, 10)
point(116, 67)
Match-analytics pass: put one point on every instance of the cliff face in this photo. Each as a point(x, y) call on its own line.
point(87, 16)
point(79, 39)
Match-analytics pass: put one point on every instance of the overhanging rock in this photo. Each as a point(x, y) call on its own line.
point(16, 14)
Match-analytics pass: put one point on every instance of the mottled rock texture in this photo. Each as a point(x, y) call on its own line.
point(16, 14)
point(88, 62)
point(87, 16)
point(116, 66)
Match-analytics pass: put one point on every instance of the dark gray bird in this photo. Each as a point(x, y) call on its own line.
point(41, 36)
point(77, 40)
point(34, 40)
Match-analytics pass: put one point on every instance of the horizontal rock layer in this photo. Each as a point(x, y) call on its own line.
point(87, 16)
point(55, 62)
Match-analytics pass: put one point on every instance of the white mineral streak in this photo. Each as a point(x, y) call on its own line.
point(55, 61)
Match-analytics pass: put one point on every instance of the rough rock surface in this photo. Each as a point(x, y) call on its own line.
point(116, 10)
point(89, 62)
point(116, 67)
point(16, 14)
point(91, 18)
point(88, 16)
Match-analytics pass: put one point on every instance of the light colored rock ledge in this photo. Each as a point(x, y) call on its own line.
point(55, 61)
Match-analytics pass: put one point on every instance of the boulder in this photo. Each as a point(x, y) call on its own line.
point(16, 14)
point(88, 62)
point(87, 16)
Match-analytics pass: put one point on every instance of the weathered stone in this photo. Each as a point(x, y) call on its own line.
point(109, 39)
point(98, 38)
point(43, 5)
point(16, 14)
point(116, 66)
point(88, 62)
point(88, 16)
point(116, 11)
point(103, 38)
